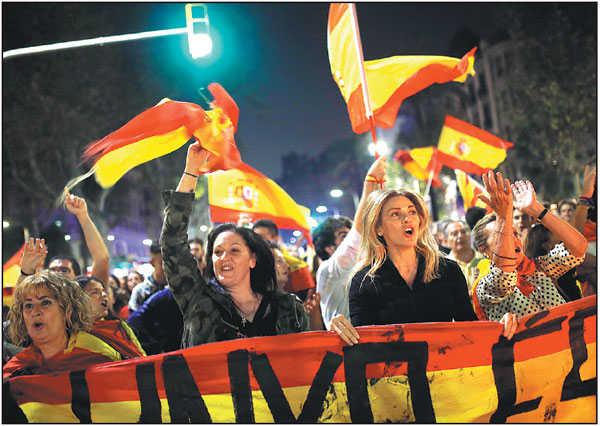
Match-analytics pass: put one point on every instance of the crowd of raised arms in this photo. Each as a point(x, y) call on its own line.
point(389, 265)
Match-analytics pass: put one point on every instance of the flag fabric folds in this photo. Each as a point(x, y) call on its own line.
point(10, 274)
point(470, 148)
point(162, 129)
point(420, 162)
point(389, 80)
point(244, 191)
point(469, 189)
point(299, 277)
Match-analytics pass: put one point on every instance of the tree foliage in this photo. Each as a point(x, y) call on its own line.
point(553, 94)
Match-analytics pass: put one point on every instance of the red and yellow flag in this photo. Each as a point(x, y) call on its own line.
point(420, 162)
point(244, 191)
point(165, 128)
point(389, 80)
point(10, 274)
point(469, 189)
point(470, 148)
point(299, 278)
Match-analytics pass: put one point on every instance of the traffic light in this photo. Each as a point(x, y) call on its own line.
point(198, 29)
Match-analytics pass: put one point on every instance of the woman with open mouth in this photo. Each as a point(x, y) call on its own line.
point(52, 316)
point(401, 275)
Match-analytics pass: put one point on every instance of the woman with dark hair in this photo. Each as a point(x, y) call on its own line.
point(237, 297)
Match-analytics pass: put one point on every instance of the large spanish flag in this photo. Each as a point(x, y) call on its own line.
point(389, 80)
point(162, 129)
point(469, 189)
point(245, 191)
point(10, 274)
point(421, 162)
point(455, 372)
point(470, 148)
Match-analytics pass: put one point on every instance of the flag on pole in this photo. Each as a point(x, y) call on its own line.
point(162, 129)
point(386, 82)
point(469, 188)
point(244, 191)
point(470, 148)
point(421, 162)
point(10, 274)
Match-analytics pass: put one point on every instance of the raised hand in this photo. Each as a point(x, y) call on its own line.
point(33, 255)
point(312, 305)
point(196, 158)
point(377, 170)
point(75, 204)
point(525, 199)
point(500, 197)
point(589, 178)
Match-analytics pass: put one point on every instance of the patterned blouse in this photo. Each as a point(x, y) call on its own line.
point(497, 292)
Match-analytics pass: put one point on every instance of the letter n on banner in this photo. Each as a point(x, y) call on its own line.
point(356, 358)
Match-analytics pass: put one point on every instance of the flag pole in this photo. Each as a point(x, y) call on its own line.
point(362, 73)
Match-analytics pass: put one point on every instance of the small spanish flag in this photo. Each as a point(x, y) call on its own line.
point(469, 189)
point(162, 129)
point(10, 274)
point(390, 80)
point(421, 162)
point(299, 278)
point(246, 191)
point(470, 148)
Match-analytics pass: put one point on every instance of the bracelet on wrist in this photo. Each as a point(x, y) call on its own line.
point(542, 214)
point(504, 233)
point(503, 257)
point(585, 201)
point(192, 175)
point(371, 178)
point(27, 275)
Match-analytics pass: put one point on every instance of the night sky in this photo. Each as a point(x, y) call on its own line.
point(271, 57)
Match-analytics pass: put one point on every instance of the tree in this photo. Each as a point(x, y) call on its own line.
point(553, 95)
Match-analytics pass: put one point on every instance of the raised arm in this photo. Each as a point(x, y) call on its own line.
point(373, 181)
point(34, 254)
point(581, 212)
point(525, 200)
point(502, 250)
point(93, 239)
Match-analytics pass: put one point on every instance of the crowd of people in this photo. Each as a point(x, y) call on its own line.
point(389, 265)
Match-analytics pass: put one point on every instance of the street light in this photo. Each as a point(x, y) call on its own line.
point(198, 30)
point(321, 209)
point(336, 193)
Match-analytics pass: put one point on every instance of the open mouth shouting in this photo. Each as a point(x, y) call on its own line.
point(409, 231)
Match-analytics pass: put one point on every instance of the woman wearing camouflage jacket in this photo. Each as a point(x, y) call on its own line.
point(237, 297)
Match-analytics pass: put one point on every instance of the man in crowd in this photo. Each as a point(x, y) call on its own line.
point(153, 283)
point(197, 249)
point(458, 239)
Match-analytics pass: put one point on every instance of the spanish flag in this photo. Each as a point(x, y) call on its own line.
point(246, 191)
point(470, 148)
point(421, 162)
point(10, 274)
point(469, 189)
point(389, 80)
point(299, 278)
point(162, 129)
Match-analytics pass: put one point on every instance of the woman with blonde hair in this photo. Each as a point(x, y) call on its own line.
point(401, 275)
point(52, 316)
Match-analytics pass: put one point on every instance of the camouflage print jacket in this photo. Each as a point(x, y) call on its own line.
point(208, 312)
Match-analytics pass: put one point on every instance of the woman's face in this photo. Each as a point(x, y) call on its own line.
point(133, 279)
point(44, 320)
point(490, 241)
point(232, 259)
point(98, 299)
point(282, 269)
point(400, 222)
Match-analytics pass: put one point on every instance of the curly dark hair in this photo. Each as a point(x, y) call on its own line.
point(262, 277)
point(324, 235)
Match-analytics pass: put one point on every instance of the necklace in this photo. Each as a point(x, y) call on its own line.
point(244, 315)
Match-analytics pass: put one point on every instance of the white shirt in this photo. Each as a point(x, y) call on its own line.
point(333, 276)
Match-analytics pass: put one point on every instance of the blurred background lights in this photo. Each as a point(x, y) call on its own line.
point(336, 193)
point(147, 242)
point(110, 237)
point(67, 237)
point(321, 209)
point(380, 147)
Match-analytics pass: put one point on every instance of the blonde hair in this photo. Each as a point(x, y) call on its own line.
point(73, 302)
point(373, 251)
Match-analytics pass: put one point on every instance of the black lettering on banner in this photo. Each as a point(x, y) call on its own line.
point(185, 401)
point(503, 367)
point(149, 400)
point(276, 400)
point(80, 396)
point(573, 386)
point(239, 379)
point(416, 354)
